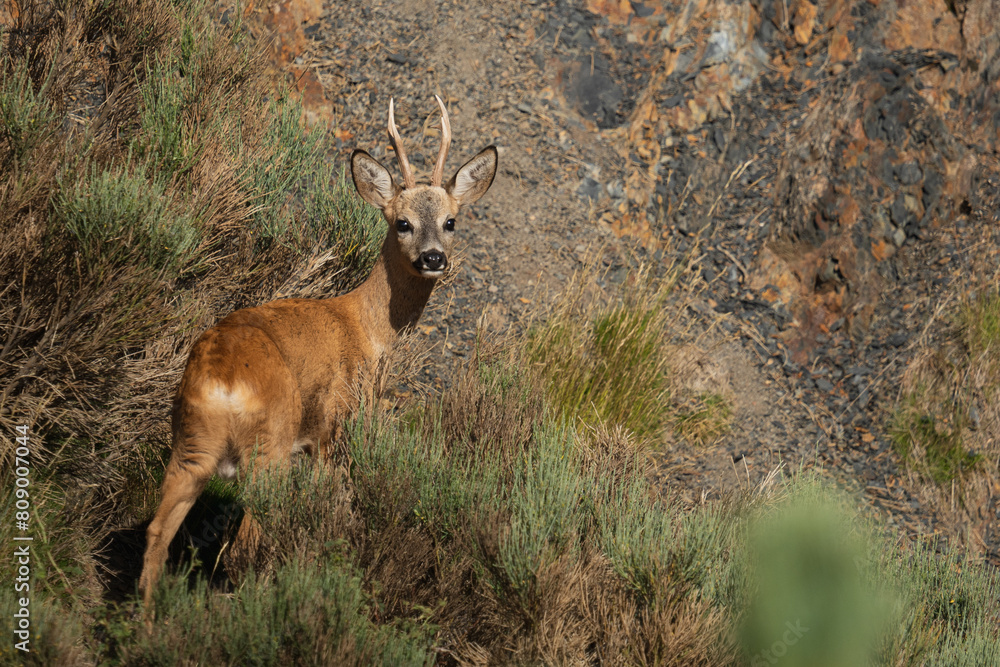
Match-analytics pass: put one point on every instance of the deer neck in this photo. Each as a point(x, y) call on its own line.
point(392, 298)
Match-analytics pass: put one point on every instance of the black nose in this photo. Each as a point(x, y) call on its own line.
point(433, 260)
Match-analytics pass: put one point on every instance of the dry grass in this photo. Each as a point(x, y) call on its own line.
point(603, 355)
point(947, 416)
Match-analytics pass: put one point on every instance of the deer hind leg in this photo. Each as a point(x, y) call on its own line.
point(201, 434)
point(182, 484)
point(267, 438)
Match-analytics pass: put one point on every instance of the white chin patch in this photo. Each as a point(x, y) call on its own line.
point(431, 274)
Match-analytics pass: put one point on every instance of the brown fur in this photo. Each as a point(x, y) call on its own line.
point(268, 381)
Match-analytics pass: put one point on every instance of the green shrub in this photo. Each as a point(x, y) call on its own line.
point(822, 584)
point(978, 321)
point(304, 614)
point(26, 118)
point(942, 422)
point(277, 173)
point(118, 216)
point(335, 213)
point(62, 558)
point(935, 449)
point(809, 606)
point(58, 636)
point(946, 606)
point(550, 522)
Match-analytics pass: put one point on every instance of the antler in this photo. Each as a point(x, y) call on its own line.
point(445, 143)
point(397, 146)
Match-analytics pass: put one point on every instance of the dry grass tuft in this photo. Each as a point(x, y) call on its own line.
point(602, 356)
point(947, 416)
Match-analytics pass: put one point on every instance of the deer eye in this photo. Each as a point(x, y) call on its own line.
point(449, 225)
point(403, 226)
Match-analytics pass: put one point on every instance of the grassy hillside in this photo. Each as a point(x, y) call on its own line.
point(152, 179)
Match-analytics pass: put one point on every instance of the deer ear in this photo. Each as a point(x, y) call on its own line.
point(475, 177)
point(372, 181)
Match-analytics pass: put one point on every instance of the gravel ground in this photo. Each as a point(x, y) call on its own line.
point(826, 203)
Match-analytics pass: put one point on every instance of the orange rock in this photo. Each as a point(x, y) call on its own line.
point(979, 27)
point(770, 295)
point(927, 24)
point(882, 250)
point(804, 20)
point(286, 21)
point(617, 11)
point(310, 90)
point(840, 45)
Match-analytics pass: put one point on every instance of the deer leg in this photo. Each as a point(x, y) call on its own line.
point(181, 487)
point(271, 454)
point(199, 444)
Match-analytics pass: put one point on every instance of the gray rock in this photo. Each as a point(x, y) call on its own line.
point(898, 237)
point(590, 189)
point(909, 173)
point(824, 385)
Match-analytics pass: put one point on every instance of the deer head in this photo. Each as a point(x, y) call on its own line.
point(422, 217)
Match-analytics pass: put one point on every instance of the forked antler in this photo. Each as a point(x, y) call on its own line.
point(445, 143)
point(397, 146)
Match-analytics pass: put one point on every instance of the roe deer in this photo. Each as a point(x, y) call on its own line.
point(267, 382)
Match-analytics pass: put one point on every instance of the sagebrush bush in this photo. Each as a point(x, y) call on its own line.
point(27, 119)
point(544, 522)
point(316, 613)
point(119, 215)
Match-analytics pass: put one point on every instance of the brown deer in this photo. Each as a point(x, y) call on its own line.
point(268, 382)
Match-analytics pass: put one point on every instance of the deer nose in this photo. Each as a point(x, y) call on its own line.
point(433, 260)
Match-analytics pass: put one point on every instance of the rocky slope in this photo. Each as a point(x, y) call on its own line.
point(827, 171)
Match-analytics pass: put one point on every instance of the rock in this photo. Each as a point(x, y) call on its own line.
point(898, 339)
point(732, 276)
point(401, 58)
point(909, 173)
point(843, 161)
point(592, 91)
point(900, 215)
point(928, 24)
point(590, 189)
point(898, 237)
